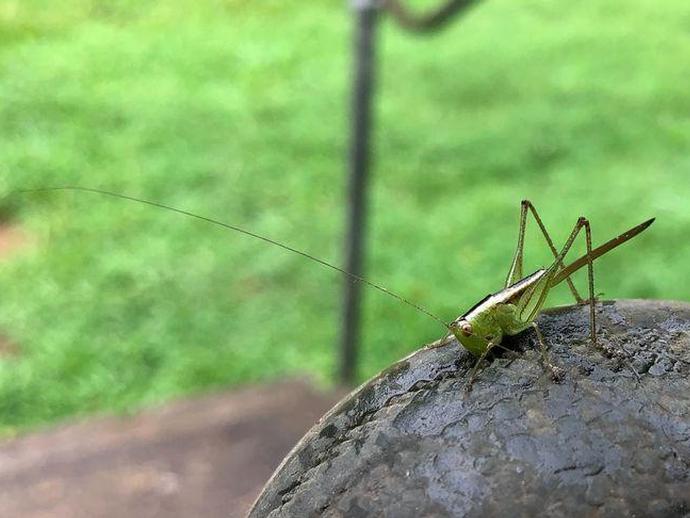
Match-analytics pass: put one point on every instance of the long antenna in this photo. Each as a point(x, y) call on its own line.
point(352, 276)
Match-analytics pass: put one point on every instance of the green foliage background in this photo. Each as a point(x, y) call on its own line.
point(238, 110)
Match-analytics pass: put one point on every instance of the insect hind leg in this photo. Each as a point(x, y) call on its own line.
point(533, 300)
point(515, 272)
point(583, 222)
point(590, 282)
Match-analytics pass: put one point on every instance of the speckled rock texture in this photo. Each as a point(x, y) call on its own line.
point(611, 439)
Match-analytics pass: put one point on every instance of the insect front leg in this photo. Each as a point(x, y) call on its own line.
point(473, 372)
point(515, 272)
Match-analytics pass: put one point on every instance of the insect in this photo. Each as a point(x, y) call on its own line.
point(507, 312)
point(515, 308)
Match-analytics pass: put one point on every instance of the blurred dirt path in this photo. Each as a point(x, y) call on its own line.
point(205, 457)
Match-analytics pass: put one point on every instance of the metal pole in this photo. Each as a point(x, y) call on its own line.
point(366, 15)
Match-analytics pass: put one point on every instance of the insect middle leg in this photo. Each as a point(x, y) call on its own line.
point(515, 273)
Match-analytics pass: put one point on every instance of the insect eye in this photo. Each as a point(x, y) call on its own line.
point(466, 329)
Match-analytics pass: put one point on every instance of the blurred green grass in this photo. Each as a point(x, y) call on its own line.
point(237, 110)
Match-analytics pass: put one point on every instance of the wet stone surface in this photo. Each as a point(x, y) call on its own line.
point(612, 439)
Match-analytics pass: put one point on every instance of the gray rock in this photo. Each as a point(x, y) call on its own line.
point(612, 439)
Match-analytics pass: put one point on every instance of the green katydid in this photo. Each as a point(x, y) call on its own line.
point(515, 308)
point(507, 312)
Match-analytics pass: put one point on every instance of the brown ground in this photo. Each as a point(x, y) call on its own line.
point(203, 457)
